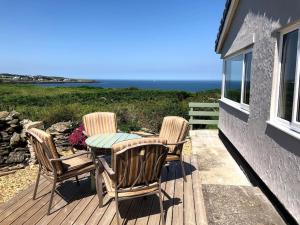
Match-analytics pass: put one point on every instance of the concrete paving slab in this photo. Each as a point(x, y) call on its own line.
point(216, 165)
point(238, 205)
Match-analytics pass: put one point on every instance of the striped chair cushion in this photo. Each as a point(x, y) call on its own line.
point(44, 155)
point(140, 163)
point(100, 123)
point(174, 129)
point(78, 165)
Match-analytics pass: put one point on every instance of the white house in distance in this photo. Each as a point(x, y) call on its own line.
point(259, 42)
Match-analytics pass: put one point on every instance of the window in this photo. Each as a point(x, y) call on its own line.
point(233, 78)
point(237, 76)
point(248, 61)
point(288, 93)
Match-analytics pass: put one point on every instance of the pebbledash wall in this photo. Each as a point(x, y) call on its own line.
point(272, 153)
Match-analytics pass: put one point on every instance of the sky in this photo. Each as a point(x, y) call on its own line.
point(111, 39)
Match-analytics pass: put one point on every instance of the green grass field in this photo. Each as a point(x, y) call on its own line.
point(135, 108)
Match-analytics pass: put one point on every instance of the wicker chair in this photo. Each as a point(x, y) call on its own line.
point(52, 166)
point(100, 123)
point(135, 171)
point(175, 130)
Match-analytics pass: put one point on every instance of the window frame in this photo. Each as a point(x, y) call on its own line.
point(293, 124)
point(241, 104)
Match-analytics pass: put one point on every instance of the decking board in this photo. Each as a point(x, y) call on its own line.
point(189, 208)
point(79, 205)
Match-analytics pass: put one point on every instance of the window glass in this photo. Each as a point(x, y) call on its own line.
point(233, 78)
point(246, 94)
point(287, 76)
point(298, 109)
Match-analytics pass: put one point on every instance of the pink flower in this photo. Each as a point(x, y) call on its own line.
point(77, 138)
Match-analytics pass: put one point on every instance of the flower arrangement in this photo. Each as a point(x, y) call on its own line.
point(77, 138)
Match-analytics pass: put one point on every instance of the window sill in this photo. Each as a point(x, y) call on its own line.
point(235, 105)
point(284, 129)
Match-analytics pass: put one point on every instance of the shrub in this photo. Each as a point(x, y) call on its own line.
point(77, 138)
point(135, 108)
point(59, 113)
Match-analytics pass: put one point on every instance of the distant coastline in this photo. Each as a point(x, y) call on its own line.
point(39, 79)
point(175, 85)
point(59, 81)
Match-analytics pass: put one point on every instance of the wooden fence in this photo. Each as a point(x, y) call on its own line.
point(206, 117)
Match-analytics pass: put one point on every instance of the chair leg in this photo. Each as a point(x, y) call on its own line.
point(162, 216)
point(77, 180)
point(167, 166)
point(117, 208)
point(37, 183)
point(73, 150)
point(182, 168)
point(99, 187)
point(51, 195)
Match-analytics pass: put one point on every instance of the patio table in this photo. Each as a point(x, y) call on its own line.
point(105, 141)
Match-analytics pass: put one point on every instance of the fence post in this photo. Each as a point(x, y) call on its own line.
point(191, 118)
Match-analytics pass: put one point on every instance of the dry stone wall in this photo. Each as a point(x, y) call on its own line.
point(14, 146)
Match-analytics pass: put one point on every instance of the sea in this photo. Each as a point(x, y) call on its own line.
point(180, 85)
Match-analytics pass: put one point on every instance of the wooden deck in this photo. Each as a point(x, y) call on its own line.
point(183, 203)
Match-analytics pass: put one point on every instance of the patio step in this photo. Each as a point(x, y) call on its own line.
point(228, 195)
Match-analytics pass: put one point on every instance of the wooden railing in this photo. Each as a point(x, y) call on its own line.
point(207, 117)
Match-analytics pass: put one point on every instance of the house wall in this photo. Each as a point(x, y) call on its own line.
point(274, 155)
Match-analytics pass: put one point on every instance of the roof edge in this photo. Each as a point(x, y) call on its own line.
point(229, 12)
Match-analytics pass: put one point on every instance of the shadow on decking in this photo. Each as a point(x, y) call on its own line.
point(78, 204)
point(70, 191)
point(189, 169)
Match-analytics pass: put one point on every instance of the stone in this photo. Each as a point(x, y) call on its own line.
point(4, 151)
point(61, 127)
point(60, 133)
point(2, 159)
point(14, 121)
point(14, 114)
point(14, 126)
point(19, 149)
point(16, 157)
point(10, 130)
point(24, 122)
point(3, 115)
point(29, 124)
point(15, 139)
point(5, 136)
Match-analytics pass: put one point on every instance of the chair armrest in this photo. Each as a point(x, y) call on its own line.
point(70, 157)
point(106, 167)
point(150, 135)
point(177, 143)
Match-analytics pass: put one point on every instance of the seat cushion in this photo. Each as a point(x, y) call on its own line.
point(76, 163)
point(77, 171)
point(76, 166)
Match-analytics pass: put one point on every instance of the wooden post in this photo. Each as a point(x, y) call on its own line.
point(191, 118)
